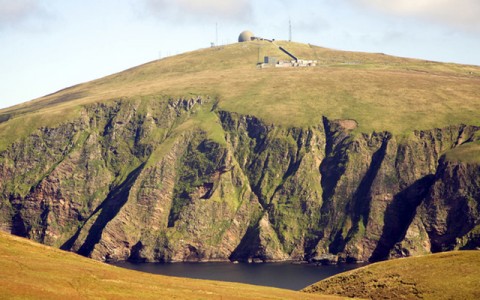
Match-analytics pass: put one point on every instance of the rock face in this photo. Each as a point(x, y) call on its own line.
point(135, 180)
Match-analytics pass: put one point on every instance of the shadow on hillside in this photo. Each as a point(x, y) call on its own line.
point(399, 215)
point(109, 208)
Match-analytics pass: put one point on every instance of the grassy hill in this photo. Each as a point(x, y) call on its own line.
point(377, 175)
point(32, 271)
point(453, 275)
point(380, 92)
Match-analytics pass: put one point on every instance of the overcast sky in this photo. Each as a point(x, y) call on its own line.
point(47, 45)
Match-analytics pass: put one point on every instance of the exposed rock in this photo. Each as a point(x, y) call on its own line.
point(325, 259)
point(451, 212)
point(122, 181)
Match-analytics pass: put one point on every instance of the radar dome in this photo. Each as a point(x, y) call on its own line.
point(245, 36)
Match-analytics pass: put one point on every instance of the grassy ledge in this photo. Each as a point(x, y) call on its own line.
point(466, 153)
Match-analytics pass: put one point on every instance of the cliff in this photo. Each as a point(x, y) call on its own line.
point(181, 179)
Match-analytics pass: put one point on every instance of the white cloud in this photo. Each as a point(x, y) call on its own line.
point(235, 10)
point(462, 14)
point(15, 12)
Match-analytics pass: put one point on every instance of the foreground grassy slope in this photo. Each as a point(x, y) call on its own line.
point(381, 92)
point(33, 271)
point(452, 275)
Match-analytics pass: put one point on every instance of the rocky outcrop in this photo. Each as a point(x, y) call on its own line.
point(141, 180)
point(451, 211)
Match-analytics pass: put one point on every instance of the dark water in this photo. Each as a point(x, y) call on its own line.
point(282, 275)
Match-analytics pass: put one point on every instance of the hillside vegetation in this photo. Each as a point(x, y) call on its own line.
point(380, 92)
point(453, 275)
point(32, 271)
point(203, 156)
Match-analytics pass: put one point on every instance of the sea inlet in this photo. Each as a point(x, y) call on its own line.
point(282, 275)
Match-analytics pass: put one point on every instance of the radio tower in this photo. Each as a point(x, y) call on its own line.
point(289, 30)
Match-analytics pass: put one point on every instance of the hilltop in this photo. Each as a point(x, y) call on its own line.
point(453, 275)
point(380, 92)
point(32, 271)
point(203, 156)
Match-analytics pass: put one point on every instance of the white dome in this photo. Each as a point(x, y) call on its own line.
point(245, 36)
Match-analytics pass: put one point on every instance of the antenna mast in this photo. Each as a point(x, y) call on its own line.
point(216, 34)
point(289, 30)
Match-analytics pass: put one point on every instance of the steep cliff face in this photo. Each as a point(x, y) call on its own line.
point(178, 180)
point(451, 212)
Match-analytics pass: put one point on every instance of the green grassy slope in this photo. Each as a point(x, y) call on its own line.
point(33, 271)
point(381, 92)
point(452, 275)
point(467, 153)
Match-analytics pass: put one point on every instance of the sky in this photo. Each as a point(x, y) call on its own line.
point(48, 45)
